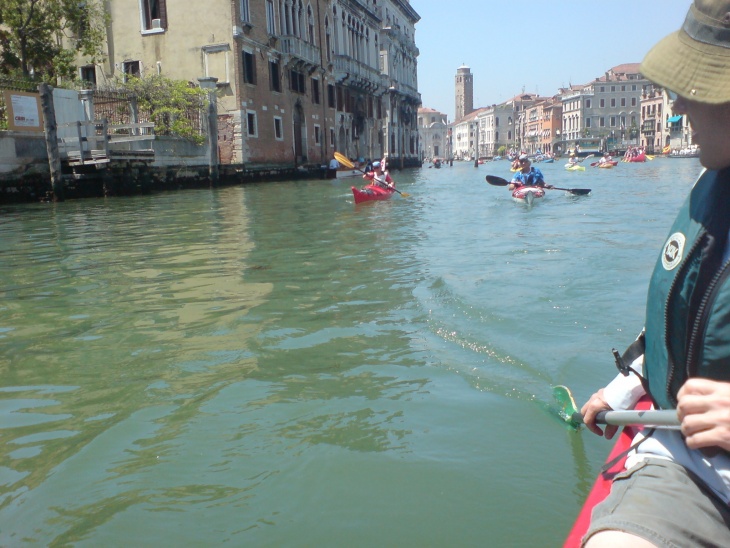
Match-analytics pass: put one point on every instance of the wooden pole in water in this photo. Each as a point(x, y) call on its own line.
point(51, 133)
point(209, 84)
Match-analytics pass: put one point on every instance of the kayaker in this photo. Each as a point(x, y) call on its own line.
point(527, 175)
point(676, 490)
point(379, 175)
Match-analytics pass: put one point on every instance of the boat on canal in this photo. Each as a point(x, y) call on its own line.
point(527, 194)
point(371, 192)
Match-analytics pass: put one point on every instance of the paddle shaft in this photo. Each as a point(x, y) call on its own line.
point(499, 181)
point(665, 418)
point(348, 164)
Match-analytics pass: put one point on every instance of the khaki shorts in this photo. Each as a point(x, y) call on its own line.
point(659, 501)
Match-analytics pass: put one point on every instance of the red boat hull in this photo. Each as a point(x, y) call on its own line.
point(527, 194)
point(371, 192)
point(640, 158)
point(602, 486)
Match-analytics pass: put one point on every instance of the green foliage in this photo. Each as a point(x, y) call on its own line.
point(174, 106)
point(43, 37)
point(501, 150)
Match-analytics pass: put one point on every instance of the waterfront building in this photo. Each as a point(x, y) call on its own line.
point(542, 120)
point(466, 136)
point(464, 87)
point(661, 129)
point(294, 80)
point(605, 113)
point(433, 134)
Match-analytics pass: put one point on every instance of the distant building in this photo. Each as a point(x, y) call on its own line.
point(464, 86)
point(604, 113)
point(433, 134)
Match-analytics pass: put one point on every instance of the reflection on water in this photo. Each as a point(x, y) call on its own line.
point(284, 367)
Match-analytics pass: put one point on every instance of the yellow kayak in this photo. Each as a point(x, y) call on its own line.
point(575, 167)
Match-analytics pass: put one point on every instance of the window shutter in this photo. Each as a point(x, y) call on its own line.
point(163, 13)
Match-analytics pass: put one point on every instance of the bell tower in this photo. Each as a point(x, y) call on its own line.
point(464, 87)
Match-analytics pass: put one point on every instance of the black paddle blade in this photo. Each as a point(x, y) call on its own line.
point(579, 191)
point(497, 181)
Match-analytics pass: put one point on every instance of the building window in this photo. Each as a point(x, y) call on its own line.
point(154, 14)
point(330, 96)
point(249, 67)
point(602, 103)
point(612, 121)
point(251, 126)
point(245, 12)
point(296, 81)
point(633, 101)
point(270, 19)
point(613, 102)
point(332, 137)
point(602, 121)
point(274, 76)
point(317, 135)
point(588, 122)
point(278, 129)
point(588, 103)
point(623, 101)
point(132, 70)
point(88, 74)
point(315, 91)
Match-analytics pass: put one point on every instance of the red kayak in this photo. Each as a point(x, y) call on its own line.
point(371, 192)
point(641, 157)
point(602, 486)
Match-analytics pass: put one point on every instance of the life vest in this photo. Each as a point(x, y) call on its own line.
point(688, 304)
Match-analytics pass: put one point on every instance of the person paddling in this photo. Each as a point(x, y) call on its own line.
point(527, 175)
point(676, 489)
point(379, 175)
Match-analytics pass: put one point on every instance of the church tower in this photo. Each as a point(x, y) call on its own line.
point(464, 85)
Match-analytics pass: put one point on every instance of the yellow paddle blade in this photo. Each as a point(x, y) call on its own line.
point(344, 160)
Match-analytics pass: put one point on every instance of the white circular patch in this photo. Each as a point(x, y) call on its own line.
point(673, 251)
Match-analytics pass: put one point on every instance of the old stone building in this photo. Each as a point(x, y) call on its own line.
point(433, 134)
point(295, 79)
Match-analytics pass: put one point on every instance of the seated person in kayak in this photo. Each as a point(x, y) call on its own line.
point(527, 175)
point(676, 489)
point(606, 158)
point(379, 176)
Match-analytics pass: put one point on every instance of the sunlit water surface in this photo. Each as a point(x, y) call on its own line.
point(271, 365)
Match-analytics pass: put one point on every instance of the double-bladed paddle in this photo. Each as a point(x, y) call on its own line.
point(498, 181)
point(349, 165)
point(665, 418)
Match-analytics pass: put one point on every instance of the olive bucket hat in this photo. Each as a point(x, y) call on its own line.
point(695, 61)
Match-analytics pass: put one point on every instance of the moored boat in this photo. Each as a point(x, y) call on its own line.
point(371, 192)
point(528, 194)
point(348, 173)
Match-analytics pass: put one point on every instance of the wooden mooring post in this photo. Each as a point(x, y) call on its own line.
point(50, 130)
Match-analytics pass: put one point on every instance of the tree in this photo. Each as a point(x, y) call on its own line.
point(173, 105)
point(43, 37)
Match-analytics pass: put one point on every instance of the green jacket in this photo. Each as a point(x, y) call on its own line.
point(688, 304)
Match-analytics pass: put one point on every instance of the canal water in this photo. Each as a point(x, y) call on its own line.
point(272, 365)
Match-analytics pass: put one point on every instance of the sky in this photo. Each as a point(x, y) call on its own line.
point(538, 45)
